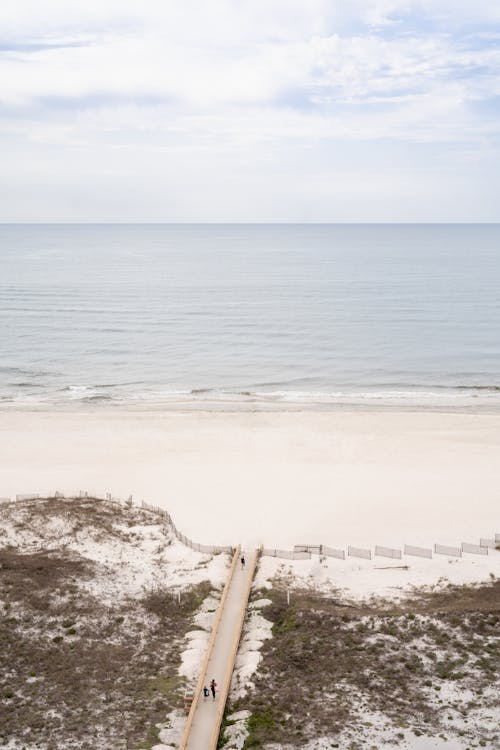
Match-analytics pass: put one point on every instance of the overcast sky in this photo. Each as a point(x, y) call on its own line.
point(250, 110)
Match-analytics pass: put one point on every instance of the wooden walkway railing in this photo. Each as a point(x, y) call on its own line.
point(213, 635)
point(226, 684)
point(204, 720)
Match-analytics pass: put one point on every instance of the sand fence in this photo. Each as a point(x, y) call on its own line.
point(300, 551)
point(393, 554)
point(410, 549)
point(305, 551)
point(287, 554)
point(209, 549)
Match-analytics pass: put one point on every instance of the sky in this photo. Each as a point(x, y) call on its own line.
point(249, 110)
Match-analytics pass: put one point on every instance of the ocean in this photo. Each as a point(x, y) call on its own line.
point(148, 316)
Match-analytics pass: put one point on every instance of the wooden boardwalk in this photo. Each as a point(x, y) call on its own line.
point(205, 716)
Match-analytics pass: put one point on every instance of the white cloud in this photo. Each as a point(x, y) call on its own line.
point(171, 84)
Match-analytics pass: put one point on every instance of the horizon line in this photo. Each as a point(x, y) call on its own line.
point(248, 223)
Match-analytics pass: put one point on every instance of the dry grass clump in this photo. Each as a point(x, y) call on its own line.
point(328, 661)
point(81, 672)
point(77, 672)
point(102, 519)
point(31, 578)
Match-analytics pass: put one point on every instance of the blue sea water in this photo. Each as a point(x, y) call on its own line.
point(149, 315)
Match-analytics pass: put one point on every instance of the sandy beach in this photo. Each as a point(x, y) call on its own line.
point(278, 478)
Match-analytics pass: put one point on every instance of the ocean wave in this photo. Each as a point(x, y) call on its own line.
point(25, 384)
point(84, 393)
point(128, 393)
point(99, 386)
point(97, 397)
point(340, 396)
point(24, 372)
point(494, 388)
point(75, 388)
point(284, 383)
point(381, 386)
point(404, 386)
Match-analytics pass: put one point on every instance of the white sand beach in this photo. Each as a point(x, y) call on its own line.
point(281, 478)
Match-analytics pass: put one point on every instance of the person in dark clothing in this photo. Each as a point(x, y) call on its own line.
point(206, 692)
point(243, 561)
point(213, 688)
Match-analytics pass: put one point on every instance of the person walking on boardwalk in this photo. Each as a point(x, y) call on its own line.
point(213, 688)
point(243, 561)
point(206, 692)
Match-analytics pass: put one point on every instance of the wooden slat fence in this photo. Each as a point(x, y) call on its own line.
point(443, 549)
point(487, 543)
point(395, 554)
point(320, 549)
point(417, 551)
point(286, 554)
point(474, 549)
point(359, 552)
point(314, 549)
point(300, 551)
point(332, 552)
point(209, 549)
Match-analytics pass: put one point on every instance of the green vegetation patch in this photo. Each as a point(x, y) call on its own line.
point(328, 660)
